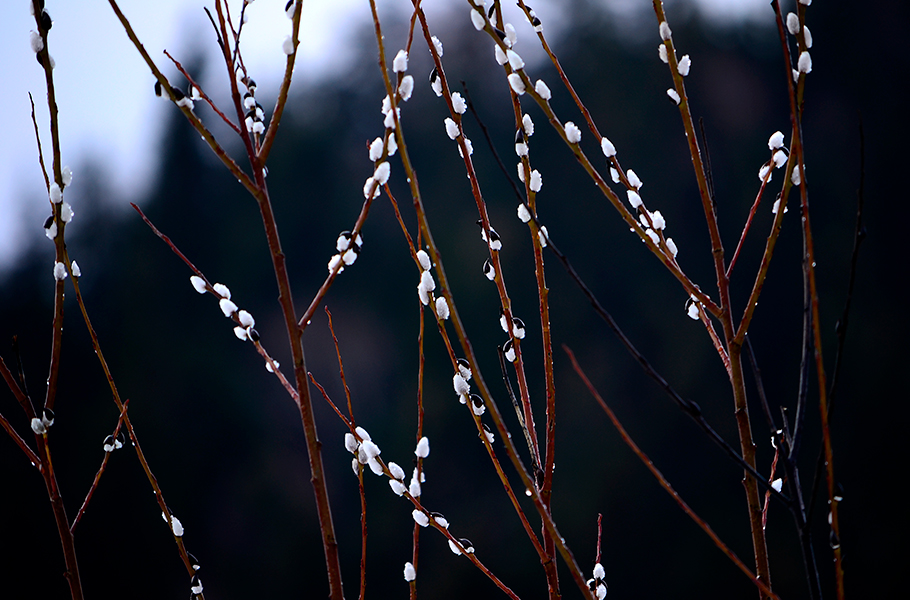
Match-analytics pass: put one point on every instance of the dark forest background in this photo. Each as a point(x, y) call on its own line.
point(225, 441)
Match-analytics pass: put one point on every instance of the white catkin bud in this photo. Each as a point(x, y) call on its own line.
point(222, 290)
point(796, 178)
point(511, 36)
point(451, 128)
point(528, 125)
point(458, 103)
point(468, 145)
point(400, 63)
point(461, 386)
point(601, 591)
point(420, 518)
point(521, 172)
point(598, 571)
point(607, 147)
point(51, 231)
point(414, 486)
point(369, 185)
point(776, 140)
point(779, 158)
point(406, 88)
point(515, 60)
point(66, 212)
point(34, 39)
point(521, 149)
point(350, 443)
point(653, 235)
point(424, 259)
point(363, 433)
point(423, 295)
point(536, 181)
point(542, 236)
point(438, 45)
point(634, 181)
point(523, 214)
point(765, 172)
point(542, 90)
point(685, 63)
point(398, 488)
point(427, 282)
point(55, 195)
point(805, 63)
point(370, 449)
point(198, 284)
point(442, 308)
point(658, 220)
point(501, 57)
point(423, 448)
point(518, 86)
point(227, 307)
point(671, 246)
point(376, 148)
point(381, 174)
point(777, 484)
point(805, 2)
point(573, 133)
point(77, 272)
point(673, 96)
point(662, 53)
point(807, 36)
point(392, 145)
point(477, 19)
point(692, 310)
point(59, 271)
point(665, 32)
point(375, 466)
point(409, 573)
point(287, 46)
point(241, 333)
point(67, 175)
point(396, 471)
point(634, 198)
point(792, 23)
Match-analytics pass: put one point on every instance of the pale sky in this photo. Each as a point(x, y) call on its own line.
point(104, 89)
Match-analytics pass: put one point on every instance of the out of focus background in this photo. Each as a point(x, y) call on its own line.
point(225, 441)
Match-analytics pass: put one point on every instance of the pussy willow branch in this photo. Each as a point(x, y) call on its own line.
point(26, 405)
point(663, 481)
point(282, 99)
point(202, 93)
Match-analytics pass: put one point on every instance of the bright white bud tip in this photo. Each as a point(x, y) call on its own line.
point(528, 125)
point(685, 63)
point(777, 484)
point(657, 220)
point(543, 236)
point(521, 172)
point(222, 290)
point(59, 271)
point(807, 36)
point(409, 573)
point(477, 19)
point(423, 448)
point(66, 212)
point(51, 231)
point(451, 128)
point(438, 45)
point(376, 149)
point(397, 487)
point(355, 466)
point(501, 57)
point(536, 181)
point(270, 368)
point(370, 449)
point(510, 34)
point(454, 548)
point(363, 433)
point(350, 443)
point(573, 133)
point(400, 63)
point(653, 235)
point(198, 284)
point(776, 140)
point(67, 174)
point(424, 259)
point(441, 521)
point(805, 63)
point(227, 307)
point(518, 86)
point(673, 96)
point(287, 46)
point(414, 487)
point(176, 526)
point(442, 308)
point(420, 518)
point(468, 145)
point(55, 194)
point(607, 147)
point(38, 425)
point(392, 145)
point(423, 295)
point(776, 207)
point(792, 23)
point(396, 471)
point(523, 214)
point(662, 53)
point(375, 466)
point(599, 571)
point(614, 175)
point(671, 246)
point(426, 281)
point(795, 178)
point(805, 2)
point(368, 185)
point(461, 386)
point(665, 32)
point(77, 272)
point(406, 88)
point(765, 172)
point(381, 174)
point(515, 60)
point(634, 198)
point(241, 333)
point(458, 103)
point(34, 39)
point(542, 90)
point(692, 308)
point(634, 181)
point(780, 158)
point(601, 592)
